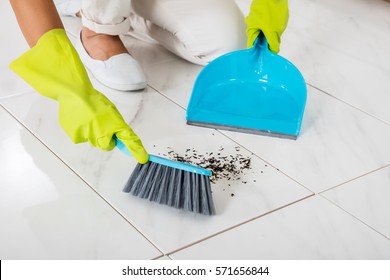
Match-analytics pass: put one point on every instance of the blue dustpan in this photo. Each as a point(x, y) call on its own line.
point(252, 91)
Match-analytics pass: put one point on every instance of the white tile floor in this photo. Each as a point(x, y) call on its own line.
point(324, 196)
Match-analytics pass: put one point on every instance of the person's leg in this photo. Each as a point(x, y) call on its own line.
point(103, 22)
point(99, 45)
point(196, 30)
point(106, 17)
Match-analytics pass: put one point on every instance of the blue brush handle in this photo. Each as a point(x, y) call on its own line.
point(166, 162)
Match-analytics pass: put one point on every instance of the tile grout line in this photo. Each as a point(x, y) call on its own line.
point(349, 104)
point(355, 178)
point(350, 214)
point(240, 224)
point(74, 172)
point(167, 97)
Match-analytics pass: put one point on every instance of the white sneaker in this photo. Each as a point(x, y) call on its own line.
point(68, 7)
point(120, 72)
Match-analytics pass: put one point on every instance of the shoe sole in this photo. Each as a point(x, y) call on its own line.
point(134, 87)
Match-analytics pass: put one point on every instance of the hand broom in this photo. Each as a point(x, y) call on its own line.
point(172, 183)
point(167, 182)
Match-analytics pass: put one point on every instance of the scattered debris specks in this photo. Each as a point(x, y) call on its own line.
point(227, 167)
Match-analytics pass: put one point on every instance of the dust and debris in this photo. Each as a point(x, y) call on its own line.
point(227, 167)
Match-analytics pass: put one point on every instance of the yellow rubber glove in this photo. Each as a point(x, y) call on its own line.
point(270, 17)
point(53, 68)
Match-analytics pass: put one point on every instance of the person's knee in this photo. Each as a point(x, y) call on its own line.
point(225, 41)
point(198, 30)
point(223, 33)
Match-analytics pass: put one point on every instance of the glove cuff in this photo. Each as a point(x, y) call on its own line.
point(270, 17)
point(53, 60)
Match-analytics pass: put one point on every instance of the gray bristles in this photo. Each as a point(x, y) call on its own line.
point(172, 187)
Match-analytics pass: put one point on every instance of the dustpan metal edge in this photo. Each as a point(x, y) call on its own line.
point(244, 130)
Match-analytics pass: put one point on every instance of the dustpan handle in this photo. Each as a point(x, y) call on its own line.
point(261, 42)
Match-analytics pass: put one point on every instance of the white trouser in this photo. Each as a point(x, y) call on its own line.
point(196, 30)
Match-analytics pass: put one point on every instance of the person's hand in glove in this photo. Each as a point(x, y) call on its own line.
point(53, 68)
point(269, 17)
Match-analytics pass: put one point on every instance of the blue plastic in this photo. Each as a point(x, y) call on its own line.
point(252, 90)
point(166, 162)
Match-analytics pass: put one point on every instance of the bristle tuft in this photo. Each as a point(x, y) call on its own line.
point(173, 187)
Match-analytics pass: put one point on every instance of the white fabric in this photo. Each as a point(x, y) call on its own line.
point(106, 16)
point(196, 30)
